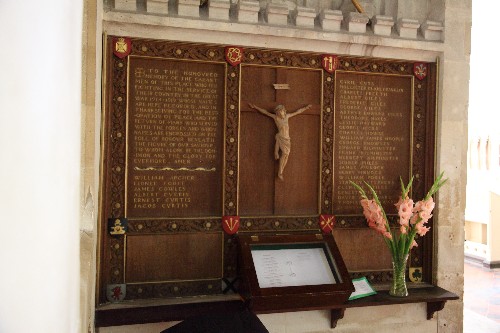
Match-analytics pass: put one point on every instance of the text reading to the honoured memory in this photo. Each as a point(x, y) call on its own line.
point(373, 133)
point(174, 143)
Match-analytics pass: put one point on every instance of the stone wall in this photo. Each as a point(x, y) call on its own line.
point(419, 30)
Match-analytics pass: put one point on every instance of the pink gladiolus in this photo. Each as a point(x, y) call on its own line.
point(414, 219)
point(424, 209)
point(421, 229)
point(372, 212)
point(365, 203)
point(398, 204)
point(426, 206)
point(425, 216)
point(405, 211)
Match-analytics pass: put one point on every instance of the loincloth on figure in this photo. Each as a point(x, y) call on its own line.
point(284, 144)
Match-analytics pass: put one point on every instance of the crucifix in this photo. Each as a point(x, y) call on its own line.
point(283, 141)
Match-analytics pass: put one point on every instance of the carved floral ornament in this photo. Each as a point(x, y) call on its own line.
point(234, 55)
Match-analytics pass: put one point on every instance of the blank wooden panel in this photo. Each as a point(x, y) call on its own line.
point(305, 88)
point(362, 249)
point(257, 84)
point(153, 258)
point(257, 164)
point(298, 192)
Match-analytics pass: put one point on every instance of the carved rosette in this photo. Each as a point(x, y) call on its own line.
point(231, 141)
point(116, 250)
point(382, 276)
point(304, 223)
point(173, 289)
point(327, 144)
point(281, 58)
point(230, 257)
point(146, 226)
point(117, 136)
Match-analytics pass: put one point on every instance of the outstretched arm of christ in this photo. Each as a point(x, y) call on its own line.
point(261, 110)
point(299, 111)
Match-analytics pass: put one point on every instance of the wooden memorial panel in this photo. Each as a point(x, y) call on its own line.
point(384, 129)
point(163, 170)
point(373, 136)
point(183, 148)
point(174, 138)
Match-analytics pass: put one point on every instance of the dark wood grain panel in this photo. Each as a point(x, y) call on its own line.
point(173, 257)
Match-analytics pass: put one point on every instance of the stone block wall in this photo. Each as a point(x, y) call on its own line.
point(246, 25)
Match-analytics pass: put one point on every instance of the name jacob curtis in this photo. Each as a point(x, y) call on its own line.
point(153, 192)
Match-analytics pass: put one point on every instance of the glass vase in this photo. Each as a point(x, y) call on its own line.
point(398, 287)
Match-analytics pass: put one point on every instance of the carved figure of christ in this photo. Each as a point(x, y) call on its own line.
point(283, 141)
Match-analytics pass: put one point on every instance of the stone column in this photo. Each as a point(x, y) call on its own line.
point(493, 255)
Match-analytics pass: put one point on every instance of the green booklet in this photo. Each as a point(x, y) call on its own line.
point(362, 288)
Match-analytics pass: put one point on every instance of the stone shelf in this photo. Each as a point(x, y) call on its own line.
point(435, 297)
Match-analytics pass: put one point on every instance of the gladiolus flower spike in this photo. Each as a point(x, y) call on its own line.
point(412, 217)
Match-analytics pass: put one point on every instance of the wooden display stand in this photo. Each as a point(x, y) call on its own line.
point(283, 279)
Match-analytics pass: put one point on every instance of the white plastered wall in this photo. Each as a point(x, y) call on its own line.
point(40, 78)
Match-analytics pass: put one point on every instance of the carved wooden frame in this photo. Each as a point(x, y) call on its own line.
point(112, 248)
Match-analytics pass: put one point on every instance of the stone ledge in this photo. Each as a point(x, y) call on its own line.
point(432, 30)
point(276, 14)
point(155, 26)
point(330, 19)
point(382, 25)
point(248, 11)
point(157, 7)
point(304, 17)
point(218, 10)
point(356, 22)
point(126, 5)
point(407, 28)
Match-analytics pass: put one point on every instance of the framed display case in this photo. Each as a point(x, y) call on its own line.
point(292, 272)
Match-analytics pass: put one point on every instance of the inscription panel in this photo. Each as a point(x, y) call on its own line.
point(372, 136)
point(174, 139)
